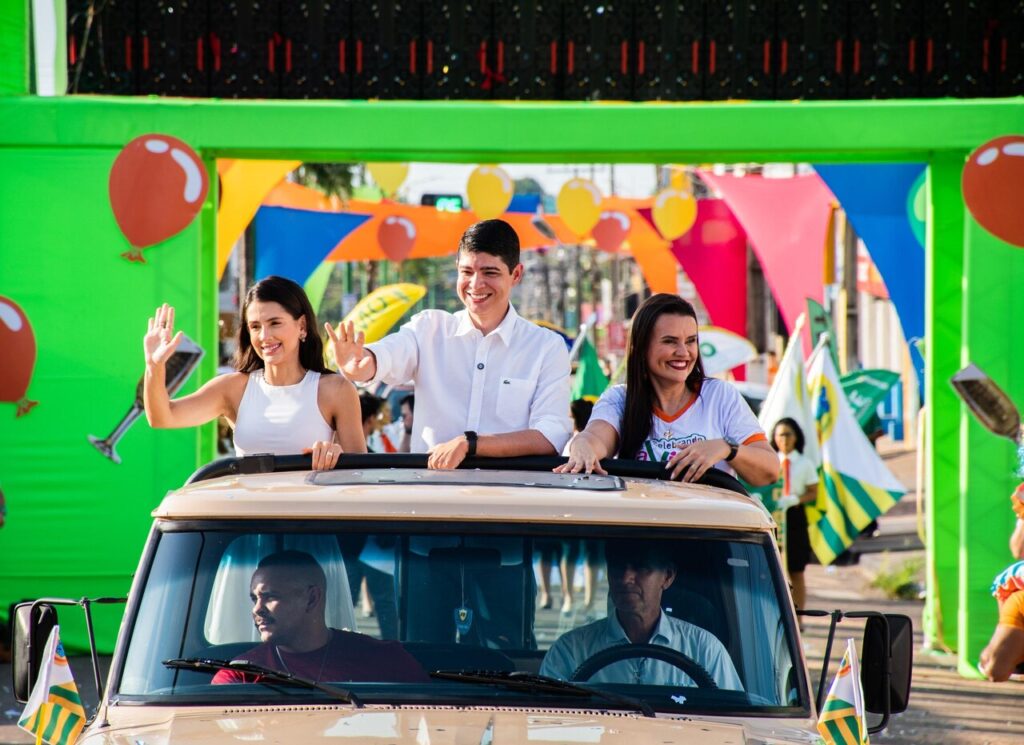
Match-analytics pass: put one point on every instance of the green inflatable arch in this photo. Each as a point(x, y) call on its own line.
point(77, 521)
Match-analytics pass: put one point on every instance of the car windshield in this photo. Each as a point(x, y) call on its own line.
point(682, 620)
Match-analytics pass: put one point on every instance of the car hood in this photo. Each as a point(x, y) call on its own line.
point(428, 726)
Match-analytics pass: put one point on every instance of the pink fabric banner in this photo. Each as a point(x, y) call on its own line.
point(713, 253)
point(786, 220)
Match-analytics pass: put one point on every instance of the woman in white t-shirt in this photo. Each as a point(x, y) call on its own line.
point(799, 487)
point(668, 411)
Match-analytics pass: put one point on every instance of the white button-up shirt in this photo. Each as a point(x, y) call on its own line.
point(515, 378)
point(577, 646)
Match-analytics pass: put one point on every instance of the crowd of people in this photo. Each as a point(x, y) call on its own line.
point(486, 382)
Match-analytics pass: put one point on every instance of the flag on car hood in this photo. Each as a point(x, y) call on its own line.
point(54, 712)
point(842, 719)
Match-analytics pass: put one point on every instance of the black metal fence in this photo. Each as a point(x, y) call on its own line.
point(636, 50)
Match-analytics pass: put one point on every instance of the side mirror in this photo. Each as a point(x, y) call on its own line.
point(31, 625)
point(988, 402)
point(886, 659)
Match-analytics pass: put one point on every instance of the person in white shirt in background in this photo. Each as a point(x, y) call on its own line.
point(799, 487)
point(406, 407)
point(487, 381)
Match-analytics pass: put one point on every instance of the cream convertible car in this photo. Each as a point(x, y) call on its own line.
point(457, 648)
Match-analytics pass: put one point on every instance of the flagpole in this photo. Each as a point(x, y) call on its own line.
point(581, 337)
point(577, 343)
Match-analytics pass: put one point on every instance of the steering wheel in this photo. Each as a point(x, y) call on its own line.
point(620, 652)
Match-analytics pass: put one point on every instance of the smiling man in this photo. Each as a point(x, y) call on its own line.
point(287, 593)
point(487, 382)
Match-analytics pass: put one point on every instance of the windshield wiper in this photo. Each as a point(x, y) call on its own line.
point(266, 675)
point(523, 681)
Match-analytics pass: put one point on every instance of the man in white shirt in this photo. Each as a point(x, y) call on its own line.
point(487, 381)
point(638, 575)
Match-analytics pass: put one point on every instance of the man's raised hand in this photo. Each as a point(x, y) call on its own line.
point(158, 343)
point(352, 358)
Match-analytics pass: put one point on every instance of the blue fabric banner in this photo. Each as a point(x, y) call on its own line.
point(885, 204)
point(291, 242)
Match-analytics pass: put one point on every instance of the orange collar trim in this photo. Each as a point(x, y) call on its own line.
point(672, 417)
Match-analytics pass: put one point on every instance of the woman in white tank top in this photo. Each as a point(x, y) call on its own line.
point(282, 400)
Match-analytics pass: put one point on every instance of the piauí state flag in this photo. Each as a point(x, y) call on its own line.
point(589, 381)
point(54, 712)
point(854, 486)
point(842, 720)
point(789, 397)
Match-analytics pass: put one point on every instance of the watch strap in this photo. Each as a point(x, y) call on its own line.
point(734, 447)
point(471, 440)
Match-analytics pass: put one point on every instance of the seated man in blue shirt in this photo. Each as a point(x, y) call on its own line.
point(638, 574)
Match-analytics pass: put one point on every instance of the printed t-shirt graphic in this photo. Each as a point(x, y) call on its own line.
point(719, 411)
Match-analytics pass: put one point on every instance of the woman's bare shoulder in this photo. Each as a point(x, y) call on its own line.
point(332, 383)
point(232, 379)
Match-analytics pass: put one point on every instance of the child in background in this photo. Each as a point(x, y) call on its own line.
point(799, 487)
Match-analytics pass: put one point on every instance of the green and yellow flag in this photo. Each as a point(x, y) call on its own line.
point(54, 713)
point(854, 485)
point(842, 719)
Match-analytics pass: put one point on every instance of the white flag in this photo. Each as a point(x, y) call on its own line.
point(789, 397)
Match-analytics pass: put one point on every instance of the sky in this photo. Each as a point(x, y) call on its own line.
point(447, 178)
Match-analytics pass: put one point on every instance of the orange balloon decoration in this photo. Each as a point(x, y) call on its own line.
point(674, 212)
point(157, 186)
point(19, 345)
point(611, 230)
point(579, 205)
point(396, 236)
point(991, 185)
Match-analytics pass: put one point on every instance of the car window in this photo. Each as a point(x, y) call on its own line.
point(469, 597)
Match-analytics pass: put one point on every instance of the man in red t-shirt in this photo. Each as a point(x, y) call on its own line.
point(287, 591)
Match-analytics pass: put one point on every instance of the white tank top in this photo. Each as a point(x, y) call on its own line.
point(279, 419)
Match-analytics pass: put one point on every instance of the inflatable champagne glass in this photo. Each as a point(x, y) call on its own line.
point(179, 367)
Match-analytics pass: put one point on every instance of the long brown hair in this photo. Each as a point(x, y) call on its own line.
point(640, 398)
point(292, 298)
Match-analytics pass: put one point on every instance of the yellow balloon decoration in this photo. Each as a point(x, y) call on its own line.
point(674, 212)
point(490, 191)
point(579, 205)
point(388, 176)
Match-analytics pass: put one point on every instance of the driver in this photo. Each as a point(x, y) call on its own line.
point(287, 592)
point(638, 574)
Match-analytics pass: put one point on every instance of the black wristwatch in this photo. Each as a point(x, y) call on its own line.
point(471, 439)
point(734, 447)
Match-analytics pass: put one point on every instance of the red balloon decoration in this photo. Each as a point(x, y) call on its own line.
point(396, 236)
point(992, 182)
point(611, 230)
point(19, 345)
point(157, 186)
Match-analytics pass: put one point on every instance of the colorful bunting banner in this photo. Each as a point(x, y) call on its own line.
point(882, 202)
point(291, 243)
point(786, 220)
